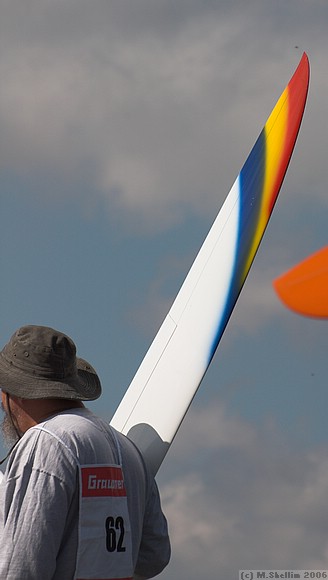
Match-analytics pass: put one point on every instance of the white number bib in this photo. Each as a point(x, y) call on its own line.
point(105, 546)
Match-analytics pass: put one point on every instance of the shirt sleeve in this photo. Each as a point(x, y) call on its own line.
point(34, 505)
point(155, 549)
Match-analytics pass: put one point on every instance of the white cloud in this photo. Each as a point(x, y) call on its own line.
point(245, 499)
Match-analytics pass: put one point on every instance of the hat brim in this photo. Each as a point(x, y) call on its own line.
point(84, 386)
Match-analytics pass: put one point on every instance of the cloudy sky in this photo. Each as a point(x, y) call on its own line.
point(123, 124)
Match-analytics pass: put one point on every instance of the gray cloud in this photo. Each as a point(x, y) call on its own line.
point(155, 107)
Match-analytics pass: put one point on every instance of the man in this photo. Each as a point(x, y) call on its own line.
point(76, 500)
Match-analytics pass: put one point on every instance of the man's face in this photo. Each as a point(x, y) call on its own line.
point(7, 427)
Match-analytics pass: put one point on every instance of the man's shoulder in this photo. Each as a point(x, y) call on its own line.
point(74, 421)
point(59, 436)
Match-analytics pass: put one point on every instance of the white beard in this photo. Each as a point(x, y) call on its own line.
point(8, 430)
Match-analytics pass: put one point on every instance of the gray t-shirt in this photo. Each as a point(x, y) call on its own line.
point(39, 499)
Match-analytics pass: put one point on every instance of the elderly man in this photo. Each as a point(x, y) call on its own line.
point(76, 500)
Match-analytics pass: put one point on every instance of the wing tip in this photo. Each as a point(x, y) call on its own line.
point(304, 287)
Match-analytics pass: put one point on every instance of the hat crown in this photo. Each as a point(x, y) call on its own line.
point(42, 352)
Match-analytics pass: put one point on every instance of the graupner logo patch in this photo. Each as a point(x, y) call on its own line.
point(104, 481)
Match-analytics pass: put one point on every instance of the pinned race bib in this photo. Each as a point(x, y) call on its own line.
point(105, 546)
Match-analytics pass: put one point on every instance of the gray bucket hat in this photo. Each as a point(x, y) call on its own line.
point(41, 363)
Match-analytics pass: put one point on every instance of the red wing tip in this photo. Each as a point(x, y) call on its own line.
point(303, 68)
